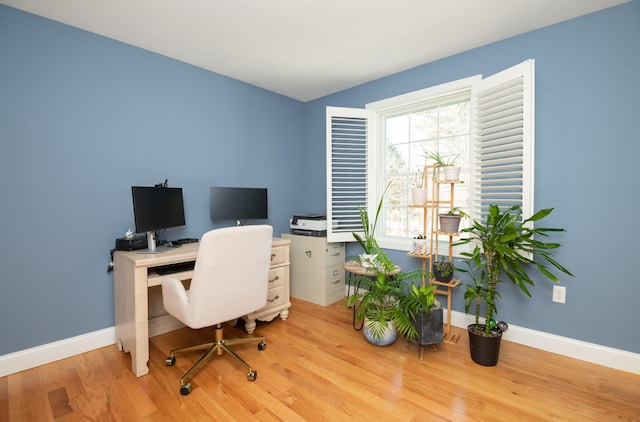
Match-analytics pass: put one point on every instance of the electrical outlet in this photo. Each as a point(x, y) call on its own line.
point(559, 294)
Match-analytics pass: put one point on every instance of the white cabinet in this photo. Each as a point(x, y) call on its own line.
point(317, 274)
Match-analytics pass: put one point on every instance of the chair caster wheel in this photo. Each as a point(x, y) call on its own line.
point(185, 389)
point(170, 361)
point(262, 345)
point(251, 376)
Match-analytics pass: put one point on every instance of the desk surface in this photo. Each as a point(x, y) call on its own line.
point(184, 253)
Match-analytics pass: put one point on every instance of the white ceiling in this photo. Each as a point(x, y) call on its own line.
point(306, 49)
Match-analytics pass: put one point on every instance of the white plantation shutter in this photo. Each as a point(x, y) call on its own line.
point(346, 171)
point(503, 148)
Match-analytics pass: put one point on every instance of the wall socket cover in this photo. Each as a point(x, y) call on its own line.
point(559, 294)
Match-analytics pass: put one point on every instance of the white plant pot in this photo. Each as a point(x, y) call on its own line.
point(419, 196)
point(368, 261)
point(388, 337)
point(451, 173)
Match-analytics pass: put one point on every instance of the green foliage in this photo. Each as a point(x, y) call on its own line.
point(443, 160)
point(444, 267)
point(505, 246)
point(368, 243)
point(383, 298)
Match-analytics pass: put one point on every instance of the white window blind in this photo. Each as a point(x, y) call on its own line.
point(346, 171)
point(504, 141)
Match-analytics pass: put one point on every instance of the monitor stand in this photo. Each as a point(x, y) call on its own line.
point(151, 245)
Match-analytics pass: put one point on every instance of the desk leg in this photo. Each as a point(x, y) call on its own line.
point(250, 325)
point(131, 314)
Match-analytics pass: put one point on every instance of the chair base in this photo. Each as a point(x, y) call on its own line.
point(219, 346)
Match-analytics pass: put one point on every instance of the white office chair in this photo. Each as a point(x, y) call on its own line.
point(230, 280)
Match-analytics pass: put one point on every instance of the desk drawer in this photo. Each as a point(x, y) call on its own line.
point(275, 297)
point(277, 276)
point(278, 255)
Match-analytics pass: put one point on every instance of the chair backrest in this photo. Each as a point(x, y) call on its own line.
point(231, 275)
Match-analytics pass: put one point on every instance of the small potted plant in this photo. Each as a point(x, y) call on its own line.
point(419, 192)
point(443, 270)
point(448, 163)
point(419, 245)
point(450, 221)
point(507, 247)
point(420, 307)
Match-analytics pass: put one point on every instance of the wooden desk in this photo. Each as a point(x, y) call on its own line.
point(139, 313)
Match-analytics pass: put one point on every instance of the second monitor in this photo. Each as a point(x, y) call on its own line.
point(239, 204)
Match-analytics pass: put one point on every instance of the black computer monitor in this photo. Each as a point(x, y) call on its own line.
point(239, 204)
point(156, 208)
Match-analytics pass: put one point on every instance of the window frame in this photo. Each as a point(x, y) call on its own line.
point(378, 111)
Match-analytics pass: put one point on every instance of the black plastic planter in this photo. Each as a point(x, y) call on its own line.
point(484, 349)
point(429, 327)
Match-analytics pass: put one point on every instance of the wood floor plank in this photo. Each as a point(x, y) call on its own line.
point(316, 367)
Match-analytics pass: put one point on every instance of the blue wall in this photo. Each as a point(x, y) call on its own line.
point(587, 151)
point(82, 118)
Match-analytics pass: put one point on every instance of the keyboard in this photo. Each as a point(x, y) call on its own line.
point(174, 268)
point(184, 241)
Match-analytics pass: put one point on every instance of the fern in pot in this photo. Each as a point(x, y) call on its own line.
point(388, 302)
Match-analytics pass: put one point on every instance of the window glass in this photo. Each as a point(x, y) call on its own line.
point(441, 125)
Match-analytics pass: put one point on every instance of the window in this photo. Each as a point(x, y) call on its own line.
point(487, 123)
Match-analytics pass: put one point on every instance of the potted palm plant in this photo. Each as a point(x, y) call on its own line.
point(418, 303)
point(388, 303)
point(505, 248)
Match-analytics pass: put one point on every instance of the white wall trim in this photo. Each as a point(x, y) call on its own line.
point(565, 346)
point(51, 352)
point(577, 349)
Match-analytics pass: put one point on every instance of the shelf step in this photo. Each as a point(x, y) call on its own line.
point(415, 255)
point(455, 282)
point(451, 338)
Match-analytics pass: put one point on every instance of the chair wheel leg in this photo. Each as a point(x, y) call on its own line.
point(170, 361)
point(251, 376)
point(185, 389)
point(262, 345)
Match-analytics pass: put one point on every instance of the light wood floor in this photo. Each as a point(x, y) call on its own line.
point(317, 368)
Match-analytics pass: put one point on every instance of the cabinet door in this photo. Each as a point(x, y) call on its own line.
point(308, 267)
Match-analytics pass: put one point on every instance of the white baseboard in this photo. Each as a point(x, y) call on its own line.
point(565, 346)
point(589, 352)
point(51, 352)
